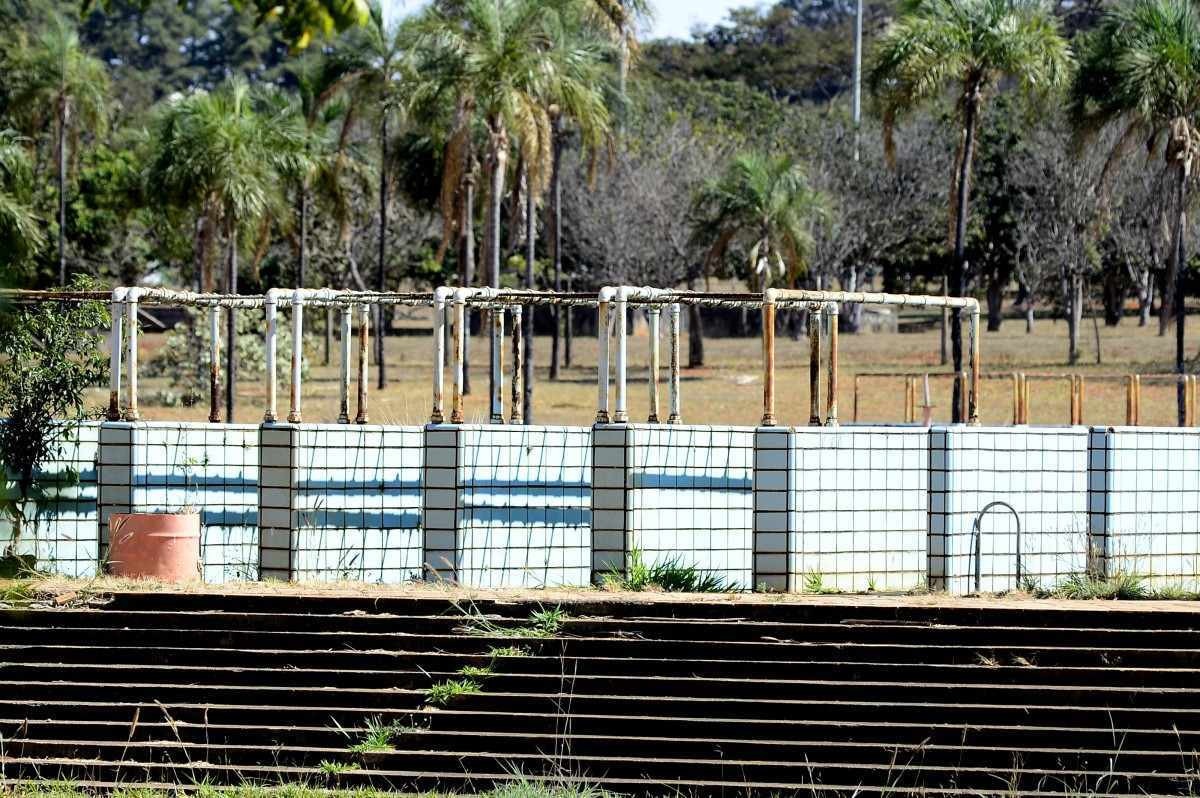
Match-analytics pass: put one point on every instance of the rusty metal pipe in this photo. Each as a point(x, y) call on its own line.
point(768, 342)
point(344, 375)
point(831, 400)
point(621, 414)
point(456, 400)
point(855, 404)
point(214, 364)
point(972, 414)
point(115, 344)
point(673, 389)
point(517, 414)
point(653, 314)
point(603, 330)
point(1137, 399)
point(497, 382)
point(364, 341)
point(814, 364)
point(294, 415)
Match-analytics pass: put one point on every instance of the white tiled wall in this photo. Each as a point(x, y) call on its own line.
point(63, 530)
point(524, 506)
point(1152, 516)
point(859, 507)
point(357, 502)
point(1040, 472)
point(691, 497)
point(213, 468)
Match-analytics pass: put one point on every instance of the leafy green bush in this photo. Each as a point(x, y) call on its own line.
point(1119, 586)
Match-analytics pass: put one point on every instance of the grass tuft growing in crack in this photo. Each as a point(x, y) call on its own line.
point(377, 736)
point(442, 693)
point(670, 576)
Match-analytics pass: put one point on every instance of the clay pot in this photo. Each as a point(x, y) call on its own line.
point(163, 546)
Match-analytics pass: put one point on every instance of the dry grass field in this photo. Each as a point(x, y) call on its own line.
point(728, 390)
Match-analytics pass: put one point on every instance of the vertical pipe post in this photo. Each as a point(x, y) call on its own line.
point(456, 401)
point(131, 335)
point(1026, 394)
point(344, 392)
point(768, 343)
point(926, 402)
point(270, 307)
point(364, 338)
point(910, 399)
point(116, 311)
point(1016, 398)
point(1137, 399)
point(1079, 394)
point(294, 415)
point(673, 386)
point(856, 386)
point(831, 399)
point(972, 414)
point(964, 400)
point(496, 315)
point(517, 414)
point(214, 364)
point(653, 313)
point(621, 415)
point(1129, 400)
point(814, 364)
point(439, 356)
point(602, 330)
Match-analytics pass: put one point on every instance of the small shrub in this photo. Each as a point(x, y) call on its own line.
point(476, 672)
point(377, 737)
point(814, 582)
point(443, 693)
point(1120, 586)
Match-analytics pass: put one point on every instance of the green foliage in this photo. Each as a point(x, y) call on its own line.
point(20, 229)
point(329, 768)
point(442, 693)
point(542, 623)
point(763, 206)
point(377, 736)
point(1119, 586)
point(669, 575)
point(185, 355)
point(476, 672)
point(51, 355)
point(496, 652)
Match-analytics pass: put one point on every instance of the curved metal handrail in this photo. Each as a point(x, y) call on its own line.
point(977, 540)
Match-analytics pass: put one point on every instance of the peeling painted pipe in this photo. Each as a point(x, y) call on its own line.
point(270, 306)
point(344, 365)
point(831, 403)
point(440, 297)
point(814, 364)
point(620, 415)
point(294, 415)
point(653, 314)
point(456, 399)
point(364, 339)
point(673, 389)
point(131, 334)
point(972, 415)
point(497, 381)
point(768, 342)
point(517, 415)
point(214, 365)
point(116, 313)
point(603, 333)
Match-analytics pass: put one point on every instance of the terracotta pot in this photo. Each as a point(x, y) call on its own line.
point(163, 546)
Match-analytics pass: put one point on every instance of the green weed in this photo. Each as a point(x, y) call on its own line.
point(476, 672)
point(1120, 586)
point(670, 576)
point(442, 693)
point(496, 652)
point(336, 768)
point(377, 736)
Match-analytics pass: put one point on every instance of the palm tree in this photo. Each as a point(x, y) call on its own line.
point(973, 45)
point(508, 62)
point(378, 67)
point(1140, 69)
point(220, 152)
point(763, 205)
point(20, 229)
point(54, 75)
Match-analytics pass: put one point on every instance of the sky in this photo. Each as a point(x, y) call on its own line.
point(672, 18)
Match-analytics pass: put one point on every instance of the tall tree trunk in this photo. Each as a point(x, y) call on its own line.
point(1179, 255)
point(302, 261)
point(527, 318)
point(497, 164)
point(1145, 297)
point(381, 277)
point(1074, 314)
point(554, 237)
point(466, 255)
point(64, 118)
point(231, 287)
point(568, 329)
point(695, 332)
point(958, 278)
point(995, 301)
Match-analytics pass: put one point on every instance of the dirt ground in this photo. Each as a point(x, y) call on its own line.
point(728, 390)
point(64, 591)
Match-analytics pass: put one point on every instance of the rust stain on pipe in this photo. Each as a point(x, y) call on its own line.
point(653, 313)
point(768, 341)
point(364, 337)
point(831, 402)
point(214, 366)
point(673, 389)
point(456, 400)
point(517, 416)
point(814, 364)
